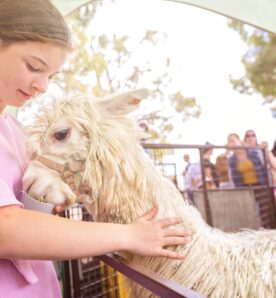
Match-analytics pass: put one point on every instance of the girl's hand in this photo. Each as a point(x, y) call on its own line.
point(148, 237)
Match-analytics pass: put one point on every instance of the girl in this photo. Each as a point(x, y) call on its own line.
point(34, 43)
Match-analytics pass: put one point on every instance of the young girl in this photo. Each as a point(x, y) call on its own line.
point(34, 43)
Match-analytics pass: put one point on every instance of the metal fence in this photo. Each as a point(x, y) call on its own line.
point(224, 200)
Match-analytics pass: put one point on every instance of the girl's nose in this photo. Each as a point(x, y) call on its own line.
point(41, 85)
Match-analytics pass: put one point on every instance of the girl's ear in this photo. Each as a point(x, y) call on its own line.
point(123, 103)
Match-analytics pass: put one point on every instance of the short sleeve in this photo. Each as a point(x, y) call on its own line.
point(6, 195)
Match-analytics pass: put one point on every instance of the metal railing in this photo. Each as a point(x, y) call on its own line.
point(162, 287)
point(90, 277)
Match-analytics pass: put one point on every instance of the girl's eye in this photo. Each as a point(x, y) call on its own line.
point(61, 135)
point(51, 77)
point(31, 68)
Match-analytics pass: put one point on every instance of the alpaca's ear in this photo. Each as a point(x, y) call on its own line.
point(124, 103)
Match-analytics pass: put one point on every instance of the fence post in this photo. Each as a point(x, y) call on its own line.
point(204, 189)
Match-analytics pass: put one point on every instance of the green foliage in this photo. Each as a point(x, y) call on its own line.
point(186, 104)
point(259, 62)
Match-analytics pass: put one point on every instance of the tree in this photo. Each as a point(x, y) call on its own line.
point(114, 64)
point(259, 62)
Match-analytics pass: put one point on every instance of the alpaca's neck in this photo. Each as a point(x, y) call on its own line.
point(140, 187)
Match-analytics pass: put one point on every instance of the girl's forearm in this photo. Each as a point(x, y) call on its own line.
point(26, 234)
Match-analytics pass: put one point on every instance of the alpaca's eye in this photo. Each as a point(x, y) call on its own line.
point(62, 134)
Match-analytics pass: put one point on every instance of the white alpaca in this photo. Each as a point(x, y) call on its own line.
point(100, 147)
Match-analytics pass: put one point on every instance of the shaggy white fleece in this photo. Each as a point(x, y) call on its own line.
point(125, 184)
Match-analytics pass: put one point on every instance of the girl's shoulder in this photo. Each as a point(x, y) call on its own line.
point(8, 118)
point(10, 124)
point(13, 120)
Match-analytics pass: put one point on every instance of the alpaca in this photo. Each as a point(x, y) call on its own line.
point(89, 150)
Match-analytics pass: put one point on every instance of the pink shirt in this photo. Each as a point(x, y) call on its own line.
point(22, 279)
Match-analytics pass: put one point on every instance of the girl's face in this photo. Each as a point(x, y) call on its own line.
point(26, 68)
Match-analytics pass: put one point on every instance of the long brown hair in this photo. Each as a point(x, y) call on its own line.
point(32, 20)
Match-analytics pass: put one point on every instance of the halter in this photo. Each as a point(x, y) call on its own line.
point(67, 175)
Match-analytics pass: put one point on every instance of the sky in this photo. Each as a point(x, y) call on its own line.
point(204, 52)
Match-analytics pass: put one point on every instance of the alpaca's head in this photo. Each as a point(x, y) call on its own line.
point(93, 138)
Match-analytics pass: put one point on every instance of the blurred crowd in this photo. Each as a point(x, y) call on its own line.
point(245, 162)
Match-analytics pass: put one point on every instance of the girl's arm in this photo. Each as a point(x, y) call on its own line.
point(27, 234)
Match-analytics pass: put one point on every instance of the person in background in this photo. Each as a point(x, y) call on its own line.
point(273, 150)
point(245, 166)
point(34, 44)
point(211, 175)
point(273, 166)
point(194, 174)
point(186, 181)
point(265, 155)
point(223, 171)
point(186, 158)
point(250, 139)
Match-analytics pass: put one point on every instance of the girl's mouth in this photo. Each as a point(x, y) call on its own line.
point(25, 96)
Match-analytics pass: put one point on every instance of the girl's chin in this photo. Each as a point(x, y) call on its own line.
point(22, 96)
point(17, 102)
